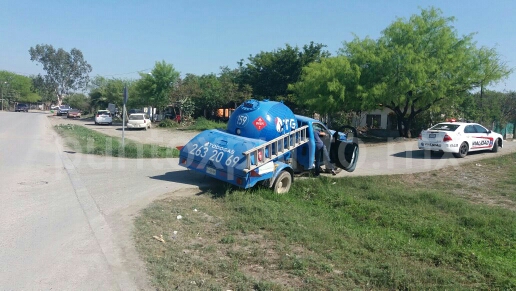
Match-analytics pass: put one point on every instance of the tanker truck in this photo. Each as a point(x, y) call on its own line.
point(266, 143)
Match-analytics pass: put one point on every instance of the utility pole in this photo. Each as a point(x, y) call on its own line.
point(126, 96)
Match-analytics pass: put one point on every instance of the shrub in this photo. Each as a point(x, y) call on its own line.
point(168, 123)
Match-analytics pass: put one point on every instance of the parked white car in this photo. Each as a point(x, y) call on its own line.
point(103, 117)
point(139, 120)
point(459, 138)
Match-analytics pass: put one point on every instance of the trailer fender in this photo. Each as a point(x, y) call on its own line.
point(279, 168)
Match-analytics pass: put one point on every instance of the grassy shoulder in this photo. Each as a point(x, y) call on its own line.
point(198, 124)
point(447, 229)
point(87, 141)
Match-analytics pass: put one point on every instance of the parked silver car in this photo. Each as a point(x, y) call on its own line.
point(103, 117)
point(63, 110)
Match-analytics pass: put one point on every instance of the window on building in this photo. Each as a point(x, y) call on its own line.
point(373, 120)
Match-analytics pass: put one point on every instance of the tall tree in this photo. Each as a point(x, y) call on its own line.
point(78, 101)
point(270, 73)
point(232, 91)
point(329, 87)
point(14, 87)
point(155, 87)
point(490, 69)
point(211, 96)
point(44, 90)
point(416, 65)
point(183, 95)
point(66, 71)
point(104, 91)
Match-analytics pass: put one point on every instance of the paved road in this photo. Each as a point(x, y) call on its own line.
point(404, 157)
point(66, 218)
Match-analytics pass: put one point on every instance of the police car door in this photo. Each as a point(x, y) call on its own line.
point(482, 139)
point(470, 134)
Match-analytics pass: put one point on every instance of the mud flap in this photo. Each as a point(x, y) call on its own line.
point(345, 153)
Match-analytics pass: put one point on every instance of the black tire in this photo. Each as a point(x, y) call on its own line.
point(495, 147)
point(463, 150)
point(282, 183)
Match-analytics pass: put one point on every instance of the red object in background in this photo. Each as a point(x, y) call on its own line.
point(178, 118)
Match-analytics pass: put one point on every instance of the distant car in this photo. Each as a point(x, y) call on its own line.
point(103, 117)
point(459, 138)
point(21, 107)
point(73, 113)
point(139, 120)
point(63, 110)
point(54, 107)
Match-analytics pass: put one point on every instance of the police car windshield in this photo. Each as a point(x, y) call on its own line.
point(445, 127)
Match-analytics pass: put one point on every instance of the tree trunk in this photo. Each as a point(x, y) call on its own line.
point(400, 125)
point(407, 122)
point(404, 125)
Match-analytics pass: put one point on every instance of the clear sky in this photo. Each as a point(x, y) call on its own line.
point(120, 38)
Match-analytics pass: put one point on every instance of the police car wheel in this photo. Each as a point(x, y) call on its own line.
point(495, 147)
point(283, 183)
point(463, 150)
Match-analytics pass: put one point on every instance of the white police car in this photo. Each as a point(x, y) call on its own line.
point(459, 138)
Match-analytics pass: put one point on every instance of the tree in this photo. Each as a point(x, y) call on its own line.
point(18, 88)
point(156, 86)
point(78, 101)
point(44, 90)
point(183, 94)
point(490, 69)
point(509, 107)
point(66, 71)
point(489, 107)
point(231, 90)
point(104, 91)
point(270, 73)
point(416, 65)
point(329, 87)
point(211, 96)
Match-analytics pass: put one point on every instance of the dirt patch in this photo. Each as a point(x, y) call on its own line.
point(471, 181)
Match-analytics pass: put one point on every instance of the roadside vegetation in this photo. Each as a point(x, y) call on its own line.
point(202, 123)
point(87, 141)
point(449, 229)
point(198, 124)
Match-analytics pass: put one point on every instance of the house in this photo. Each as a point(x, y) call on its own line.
point(380, 122)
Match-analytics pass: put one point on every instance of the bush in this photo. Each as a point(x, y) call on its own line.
point(168, 123)
point(202, 123)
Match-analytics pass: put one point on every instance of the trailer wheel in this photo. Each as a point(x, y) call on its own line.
point(282, 183)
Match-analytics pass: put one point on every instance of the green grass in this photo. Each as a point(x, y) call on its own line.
point(424, 231)
point(87, 141)
point(202, 123)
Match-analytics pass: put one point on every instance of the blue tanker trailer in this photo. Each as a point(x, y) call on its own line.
point(265, 142)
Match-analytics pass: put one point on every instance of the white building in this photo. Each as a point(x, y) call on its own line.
point(381, 122)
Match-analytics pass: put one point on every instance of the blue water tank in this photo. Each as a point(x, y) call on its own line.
point(263, 120)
